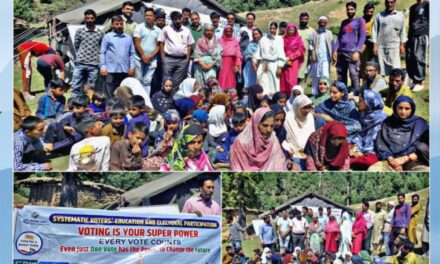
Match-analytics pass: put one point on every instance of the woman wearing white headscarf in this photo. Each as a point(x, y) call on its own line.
point(299, 124)
point(188, 88)
point(216, 121)
point(297, 90)
point(346, 235)
point(269, 59)
point(265, 257)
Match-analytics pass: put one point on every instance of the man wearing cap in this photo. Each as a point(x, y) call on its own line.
point(306, 34)
point(175, 49)
point(321, 53)
point(389, 37)
point(387, 226)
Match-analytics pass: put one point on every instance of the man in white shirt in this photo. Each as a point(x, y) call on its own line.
point(283, 229)
point(250, 25)
point(299, 230)
point(93, 152)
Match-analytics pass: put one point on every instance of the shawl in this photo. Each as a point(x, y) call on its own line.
point(321, 97)
point(178, 159)
point(315, 227)
point(206, 47)
point(266, 255)
point(287, 258)
point(293, 45)
point(216, 120)
point(298, 127)
point(399, 137)
point(346, 227)
point(289, 103)
point(281, 131)
point(253, 101)
point(186, 88)
point(277, 96)
point(342, 110)
point(231, 47)
point(371, 120)
point(251, 152)
point(184, 106)
point(360, 225)
point(316, 146)
point(332, 226)
point(233, 95)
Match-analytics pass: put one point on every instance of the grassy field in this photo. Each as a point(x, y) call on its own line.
point(251, 242)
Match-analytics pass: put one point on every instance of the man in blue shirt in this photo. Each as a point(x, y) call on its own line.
point(146, 44)
point(116, 56)
point(267, 234)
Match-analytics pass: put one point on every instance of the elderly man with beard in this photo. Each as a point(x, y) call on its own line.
point(348, 47)
point(87, 45)
point(126, 14)
point(203, 204)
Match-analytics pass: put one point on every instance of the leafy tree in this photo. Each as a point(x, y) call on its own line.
point(24, 9)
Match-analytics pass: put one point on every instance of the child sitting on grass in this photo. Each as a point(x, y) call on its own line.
point(136, 109)
point(115, 130)
point(29, 150)
point(51, 104)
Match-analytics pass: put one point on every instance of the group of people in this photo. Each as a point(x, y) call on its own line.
point(194, 97)
point(297, 237)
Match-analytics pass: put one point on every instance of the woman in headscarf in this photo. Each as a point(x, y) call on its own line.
point(371, 116)
point(248, 50)
point(315, 234)
point(339, 108)
point(299, 126)
point(231, 59)
point(164, 141)
point(187, 153)
point(269, 61)
point(233, 95)
point(327, 148)
point(257, 148)
point(297, 90)
point(217, 128)
point(332, 235)
point(255, 95)
point(189, 87)
point(280, 116)
point(323, 91)
point(163, 100)
point(279, 98)
point(207, 56)
point(185, 108)
point(359, 233)
point(294, 50)
point(266, 256)
point(346, 235)
point(398, 143)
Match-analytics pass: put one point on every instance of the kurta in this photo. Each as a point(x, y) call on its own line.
point(412, 228)
point(269, 56)
point(331, 245)
point(379, 222)
point(307, 38)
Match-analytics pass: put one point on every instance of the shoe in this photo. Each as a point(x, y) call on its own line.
point(418, 88)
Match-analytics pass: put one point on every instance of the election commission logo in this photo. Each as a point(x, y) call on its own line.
point(28, 243)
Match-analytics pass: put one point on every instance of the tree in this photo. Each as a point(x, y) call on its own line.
point(69, 190)
point(24, 9)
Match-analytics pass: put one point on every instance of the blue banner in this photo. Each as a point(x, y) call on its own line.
point(72, 235)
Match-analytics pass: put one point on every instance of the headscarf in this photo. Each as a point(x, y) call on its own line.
point(206, 47)
point(176, 160)
point(289, 103)
point(360, 225)
point(186, 88)
point(216, 120)
point(293, 45)
point(184, 106)
point(169, 116)
point(342, 110)
point(230, 45)
point(371, 120)
point(244, 41)
point(321, 97)
point(280, 132)
point(200, 116)
point(316, 146)
point(265, 255)
point(346, 228)
point(277, 96)
point(251, 152)
point(397, 136)
point(162, 101)
point(332, 226)
point(287, 258)
point(253, 101)
point(298, 127)
point(232, 94)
